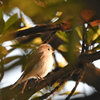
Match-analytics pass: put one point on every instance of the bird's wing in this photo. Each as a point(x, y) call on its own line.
point(34, 60)
point(29, 66)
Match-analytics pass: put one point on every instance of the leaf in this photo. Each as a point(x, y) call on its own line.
point(79, 30)
point(62, 35)
point(10, 66)
point(63, 47)
point(23, 46)
point(95, 36)
point(1, 21)
point(9, 22)
point(91, 34)
point(1, 25)
point(72, 52)
point(9, 59)
point(1, 13)
point(37, 41)
point(1, 64)
point(4, 51)
point(61, 87)
point(67, 93)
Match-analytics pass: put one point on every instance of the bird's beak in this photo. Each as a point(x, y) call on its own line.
point(53, 51)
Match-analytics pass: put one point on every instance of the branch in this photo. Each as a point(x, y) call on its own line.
point(87, 58)
point(29, 31)
point(84, 58)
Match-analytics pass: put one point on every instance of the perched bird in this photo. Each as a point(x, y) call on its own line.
point(39, 65)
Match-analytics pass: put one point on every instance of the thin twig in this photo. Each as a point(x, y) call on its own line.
point(83, 39)
point(56, 88)
point(47, 40)
point(77, 82)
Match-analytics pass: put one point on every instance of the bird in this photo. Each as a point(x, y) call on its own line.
point(39, 65)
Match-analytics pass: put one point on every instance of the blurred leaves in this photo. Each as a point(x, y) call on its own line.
point(79, 30)
point(1, 64)
point(37, 41)
point(48, 12)
point(46, 9)
point(43, 11)
point(12, 24)
point(1, 21)
point(67, 93)
point(24, 47)
point(91, 34)
point(70, 47)
point(96, 36)
point(61, 87)
point(63, 47)
point(9, 59)
point(4, 51)
point(63, 36)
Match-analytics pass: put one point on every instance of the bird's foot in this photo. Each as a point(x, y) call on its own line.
point(39, 79)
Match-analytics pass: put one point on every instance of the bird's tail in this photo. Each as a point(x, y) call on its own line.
point(16, 83)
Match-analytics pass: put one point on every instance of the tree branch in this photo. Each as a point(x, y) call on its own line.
point(57, 75)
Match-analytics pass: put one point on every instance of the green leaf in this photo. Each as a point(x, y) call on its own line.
point(9, 22)
point(62, 35)
point(91, 34)
point(67, 93)
point(9, 59)
point(1, 25)
point(96, 35)
point(24, 46)
point(79, 30)
point(1, 21)
point(1, 13)
point(63, 47)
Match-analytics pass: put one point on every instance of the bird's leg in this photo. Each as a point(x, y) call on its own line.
point(24, 86)
point(41, 78)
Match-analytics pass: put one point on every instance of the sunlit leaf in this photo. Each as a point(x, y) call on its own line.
point(79, 30)
point(1, 25)
point(63, 47)
point(9, 59)
point(4, 51)
point(1, 13)
point(96, 35)
point(1, 21)
point(62, 64)
point(37, 41)
point(37, 94)
point(67, 93)
point(10, 21)
point(62, 35)
point(91, 34)
point(61, 87)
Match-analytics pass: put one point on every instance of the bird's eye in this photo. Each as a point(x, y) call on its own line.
point(48, 49)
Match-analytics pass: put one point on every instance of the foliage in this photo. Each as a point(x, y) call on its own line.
point(44, 12)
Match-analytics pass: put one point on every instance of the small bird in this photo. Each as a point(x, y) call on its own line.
point(40, 63)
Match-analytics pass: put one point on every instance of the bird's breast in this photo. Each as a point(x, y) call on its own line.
point(43, 66)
